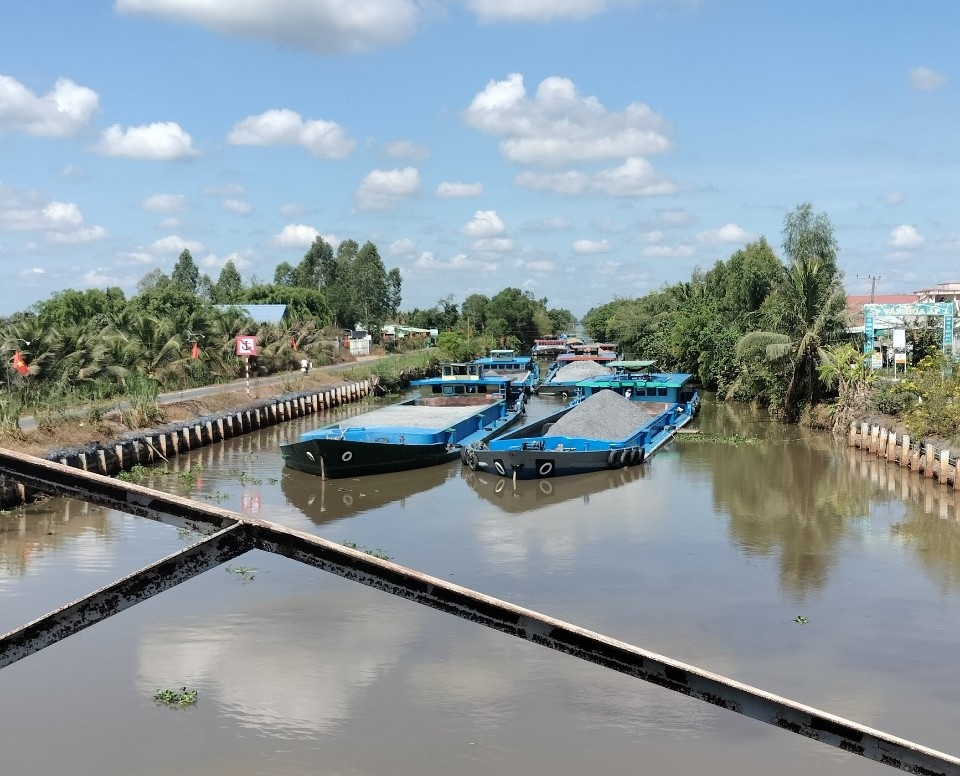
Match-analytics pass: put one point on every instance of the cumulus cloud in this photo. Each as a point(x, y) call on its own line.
point(296, 236)
point(58, 222)
point(653, 236)
point(558, 125)
point(727, 234)
point(452, 190)
point(924, 79)
point(173, 245)
point(540, 10)
point(382, 189)
point(905, 236)
point(402, 247)
point(634, 178)
point(591, 246)
point(282, 127)
point(493, 245)
point(63, 112)
point(427, 262)
point(164, 203)
point(485, 223)
point(162, 141)
point(406, 149)
point(669, 251)
point(319, 26)
point(237, 206)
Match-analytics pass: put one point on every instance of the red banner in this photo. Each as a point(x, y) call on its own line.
point(20, 364)
point(195, 353)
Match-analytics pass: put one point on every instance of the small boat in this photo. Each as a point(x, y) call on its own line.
point(615, 420)
point(505, 362)
point(463, 405)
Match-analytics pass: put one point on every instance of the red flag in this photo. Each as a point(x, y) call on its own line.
point(195, 353)
point(19, 363)
point(293, 343)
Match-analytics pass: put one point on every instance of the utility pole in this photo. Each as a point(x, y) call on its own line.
point(873, 284)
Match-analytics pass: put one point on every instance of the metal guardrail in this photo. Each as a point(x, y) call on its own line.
point(227, 535)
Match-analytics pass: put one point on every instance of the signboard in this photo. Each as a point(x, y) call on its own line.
point(900, 339)
point(246, 345)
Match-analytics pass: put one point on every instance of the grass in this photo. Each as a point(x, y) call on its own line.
point(176, 698)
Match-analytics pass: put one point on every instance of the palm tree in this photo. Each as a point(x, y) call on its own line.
point(803, 315)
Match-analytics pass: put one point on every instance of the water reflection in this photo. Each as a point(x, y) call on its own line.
point(784, 492)
point(530, 495)
point(296, 666)
point(325, 501)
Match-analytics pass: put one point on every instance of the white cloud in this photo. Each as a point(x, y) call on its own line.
point(905, 236)
point(402, 247)
point(634, 178)
point(296, 236)
point(493, 245)
point(460, 263)
point(540, 266)
point(291, 210)
point(63, 112)
point(162, 141)
point(282, 127)
point(541, 10)
point(924, 79)
point(669, 251)
point(894, 198)
point(558, 125)
point(675, 217)
point(218, 262)
point(727, 234)
point(382, 189)
point(164, 203)
point(319, 26)
point(60, 222)
point(653, 236)
point(174, 246)
point(591, 246)
point(237, 206)
point(452, 190)
point(407, 149)
point(485, 223)
point(568, 183)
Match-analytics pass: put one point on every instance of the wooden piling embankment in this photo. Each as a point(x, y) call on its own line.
point(155, 445)
point(920, 457)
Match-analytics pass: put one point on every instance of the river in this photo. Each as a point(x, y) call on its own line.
point(761, 552)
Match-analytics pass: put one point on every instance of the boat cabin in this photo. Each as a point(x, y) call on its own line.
point(668, 387)
point(457, 378)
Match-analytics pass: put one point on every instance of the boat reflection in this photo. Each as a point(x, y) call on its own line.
point(529, 495)
point(325, 501)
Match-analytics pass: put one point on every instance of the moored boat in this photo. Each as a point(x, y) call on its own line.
point(614, 421)
point(463, 405)
point(506, 362)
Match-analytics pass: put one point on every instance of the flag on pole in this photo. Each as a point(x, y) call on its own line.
point(195, 353)
point(19, 363)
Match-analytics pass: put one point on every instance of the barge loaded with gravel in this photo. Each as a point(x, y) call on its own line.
point(463, 405)
point(614, 421)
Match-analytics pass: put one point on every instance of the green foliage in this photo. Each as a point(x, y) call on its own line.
point(936, 386)
point(185, 274)
point(374, 552)
point(177, 698)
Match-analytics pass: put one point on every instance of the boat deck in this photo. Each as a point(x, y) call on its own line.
point(412, 416)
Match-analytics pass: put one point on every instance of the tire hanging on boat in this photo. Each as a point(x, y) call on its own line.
point(545, 469)
point(612, 459)
point(498, 465)
point(471, 458)
point(347, 455)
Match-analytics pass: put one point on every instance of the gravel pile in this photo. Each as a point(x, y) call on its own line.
point(579, 370)
point(603, 415)
point(410, 417)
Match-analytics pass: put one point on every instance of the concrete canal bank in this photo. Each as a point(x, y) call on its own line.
point(924, 458)
point(150, 446)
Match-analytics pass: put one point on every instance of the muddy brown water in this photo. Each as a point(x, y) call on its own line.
point(708, 553)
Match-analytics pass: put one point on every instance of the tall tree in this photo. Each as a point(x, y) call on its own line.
point(185, 273)
point(229, 286)
point(309, 272)
point(804, 314)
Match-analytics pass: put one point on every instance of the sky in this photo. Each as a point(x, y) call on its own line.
point(580, 150)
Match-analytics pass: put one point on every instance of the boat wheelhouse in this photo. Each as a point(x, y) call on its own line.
point(506, 362)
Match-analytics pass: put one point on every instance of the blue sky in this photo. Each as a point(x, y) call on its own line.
point(581, 150)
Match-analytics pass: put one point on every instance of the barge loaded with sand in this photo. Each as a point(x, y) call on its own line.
point(464, 405)
point(613, 421)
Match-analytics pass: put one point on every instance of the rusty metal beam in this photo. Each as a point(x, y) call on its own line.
point(144, 583)
point(249, 533)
